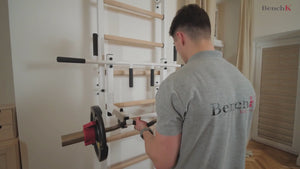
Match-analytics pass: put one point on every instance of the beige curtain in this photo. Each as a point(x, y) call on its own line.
point(210, 7)
point(201, 3)
point(245, 61)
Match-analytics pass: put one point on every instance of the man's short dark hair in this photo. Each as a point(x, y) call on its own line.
point(192, 20)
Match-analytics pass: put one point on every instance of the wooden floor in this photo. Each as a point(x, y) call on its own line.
point(265, 157)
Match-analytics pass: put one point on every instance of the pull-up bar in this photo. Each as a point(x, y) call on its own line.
point(128, 64)
point(133, 41)
point(123, 63)
point(133, 8)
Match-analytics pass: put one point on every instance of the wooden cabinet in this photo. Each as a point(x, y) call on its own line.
point(9, 154)
point(9, 143)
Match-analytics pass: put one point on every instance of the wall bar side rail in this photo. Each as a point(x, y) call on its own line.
point(133, 8)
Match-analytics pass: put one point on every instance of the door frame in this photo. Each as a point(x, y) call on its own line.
point(281, 39)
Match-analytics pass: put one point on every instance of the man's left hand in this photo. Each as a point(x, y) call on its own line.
point(140, 124)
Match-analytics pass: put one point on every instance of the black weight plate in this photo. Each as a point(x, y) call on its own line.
point(100, 146)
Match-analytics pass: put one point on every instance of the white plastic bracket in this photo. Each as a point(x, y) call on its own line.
point(109, 85)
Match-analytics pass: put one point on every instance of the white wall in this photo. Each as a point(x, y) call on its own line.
point(272, 22)
point(277, 22)
point(6, 74)
point(265, 23)
point(54, 99)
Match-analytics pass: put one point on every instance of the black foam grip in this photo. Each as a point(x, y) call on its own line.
point(70, 60)
point(130, 77)
point(174, 54)
point(148, 124)
point(152, 77)
point(95, 44)
point(151, 123)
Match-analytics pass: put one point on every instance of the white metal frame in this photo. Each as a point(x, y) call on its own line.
point(109, 94)
point(105, 75)
point(101, 69)
point(109, 63)
point(106, 63)
point(163, 70)
point(267, 42)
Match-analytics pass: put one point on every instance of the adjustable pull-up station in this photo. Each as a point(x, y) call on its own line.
point(94, 132)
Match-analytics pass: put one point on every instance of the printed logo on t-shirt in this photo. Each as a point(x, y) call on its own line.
point(241, 106)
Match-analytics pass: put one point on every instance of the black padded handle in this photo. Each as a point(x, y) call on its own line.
point(70, 60)
point(152, 77)
point(130, 77)
point(95, 44)
point(174, 54)
point(151, 123)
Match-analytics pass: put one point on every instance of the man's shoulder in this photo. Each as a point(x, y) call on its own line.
point(178, 77)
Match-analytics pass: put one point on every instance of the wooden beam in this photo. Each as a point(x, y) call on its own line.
point(79, 137)
point(135, 103)
point(72, 138)
point(135, 72)
point(133, 8)
point(148, 115)
point(129, 162)
point(122, 135)
point(133, 41)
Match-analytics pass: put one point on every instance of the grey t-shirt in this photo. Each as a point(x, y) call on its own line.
point(210, 103)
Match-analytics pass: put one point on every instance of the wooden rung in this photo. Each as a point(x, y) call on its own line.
point(148, 115)
point(122, 135)
point(135, 72)
point(129, 162)
point(133, 8)
point(135, 103)
point(133, 41)
point(72, 138)
point(79, 137)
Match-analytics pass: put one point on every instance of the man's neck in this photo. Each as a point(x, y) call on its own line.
point(200, 46)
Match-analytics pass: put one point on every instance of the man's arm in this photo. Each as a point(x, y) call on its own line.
point(162, 150)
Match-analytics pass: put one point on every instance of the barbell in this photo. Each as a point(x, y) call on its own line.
point(94, 133)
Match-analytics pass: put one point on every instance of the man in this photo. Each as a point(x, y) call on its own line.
point(204, 109)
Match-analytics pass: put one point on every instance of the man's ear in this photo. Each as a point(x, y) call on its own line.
point(180, 37)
